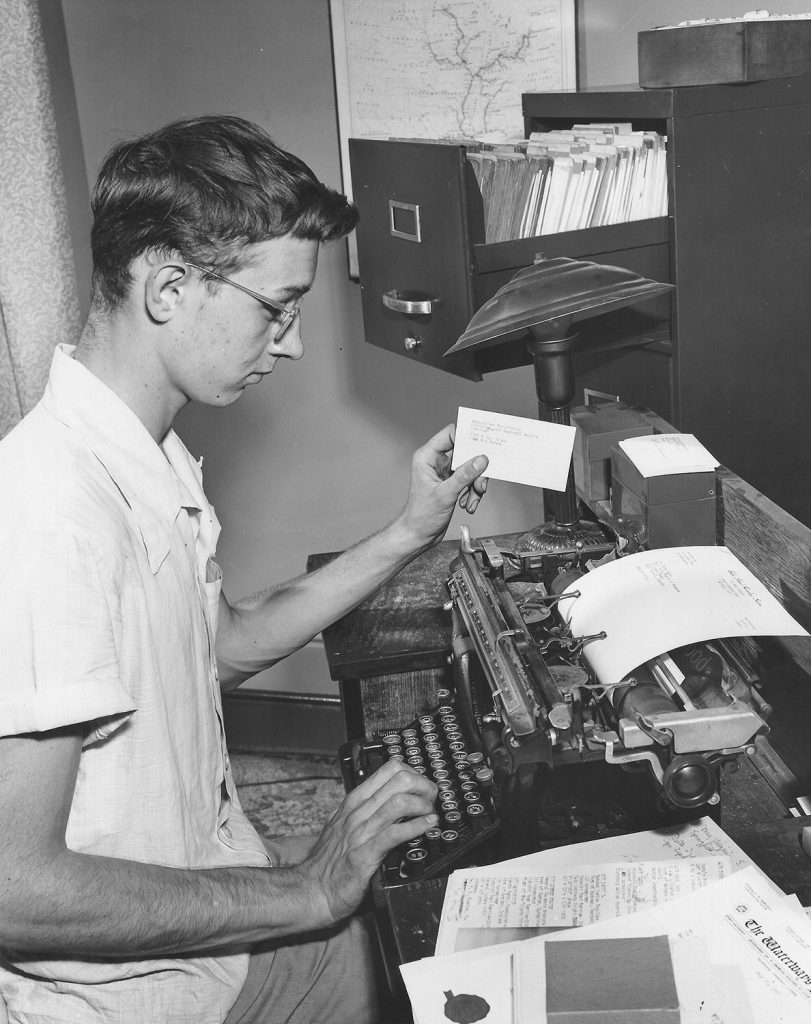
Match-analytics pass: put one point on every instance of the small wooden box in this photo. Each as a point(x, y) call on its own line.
point(599, 428)
point(739, 51)
point(671, 510)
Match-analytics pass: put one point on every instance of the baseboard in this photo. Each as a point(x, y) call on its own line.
point(263, 722)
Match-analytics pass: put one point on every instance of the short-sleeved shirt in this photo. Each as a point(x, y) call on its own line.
point(108, 614)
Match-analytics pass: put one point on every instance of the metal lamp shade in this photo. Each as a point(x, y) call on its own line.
point(557, 293)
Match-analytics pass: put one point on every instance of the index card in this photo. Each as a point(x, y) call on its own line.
point(519, 449)
point(665, 454)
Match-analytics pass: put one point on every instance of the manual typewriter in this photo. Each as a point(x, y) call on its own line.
point(546, 754)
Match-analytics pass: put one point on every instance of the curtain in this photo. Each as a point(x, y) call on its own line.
point(39, 307)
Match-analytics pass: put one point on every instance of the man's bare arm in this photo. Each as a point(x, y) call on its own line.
point(256, 632)
point(54, 901)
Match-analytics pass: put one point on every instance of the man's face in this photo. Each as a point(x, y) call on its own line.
point(230, 340)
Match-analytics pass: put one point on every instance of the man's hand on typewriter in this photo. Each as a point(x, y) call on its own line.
point(435, 490)
point(392, 806)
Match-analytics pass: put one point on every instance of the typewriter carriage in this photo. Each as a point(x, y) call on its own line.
point(652, 749)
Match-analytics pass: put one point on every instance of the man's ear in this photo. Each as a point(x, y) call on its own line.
point(165, 282)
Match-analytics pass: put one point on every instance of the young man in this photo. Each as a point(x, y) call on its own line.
point(132, 888)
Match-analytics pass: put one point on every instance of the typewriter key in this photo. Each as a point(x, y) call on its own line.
point(453, 819)
point(438, 762)
point(449, 838)
point(469, 787)
point(430, 737)
point(396, 757)
point(440, 774)
point(391, 737)
point(449, 805)
point(432, 837)
point(414, 861)
point(471, 796)
point(443, 693)
point(475, 758)
point(476, 817)
point(446, 709)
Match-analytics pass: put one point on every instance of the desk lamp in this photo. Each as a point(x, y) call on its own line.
point(544, 301)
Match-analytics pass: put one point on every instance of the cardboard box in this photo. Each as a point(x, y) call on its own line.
point(718, 52)
point(667, 511)
point(599, 428)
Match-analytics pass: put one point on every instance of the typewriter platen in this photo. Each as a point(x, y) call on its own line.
point(572, 756)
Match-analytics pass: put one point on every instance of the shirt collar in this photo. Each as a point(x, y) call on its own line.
point(155, 480)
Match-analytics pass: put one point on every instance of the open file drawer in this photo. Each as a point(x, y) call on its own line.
point(414, 247)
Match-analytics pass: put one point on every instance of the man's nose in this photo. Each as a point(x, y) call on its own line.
point(291, 344)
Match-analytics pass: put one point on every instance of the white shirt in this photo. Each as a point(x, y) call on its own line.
point(108, 615)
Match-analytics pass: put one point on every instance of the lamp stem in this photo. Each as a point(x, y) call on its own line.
point(555, 388)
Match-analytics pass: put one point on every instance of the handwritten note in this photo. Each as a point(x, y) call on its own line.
point(578, 896)
point(520, 450)
point(698, 842)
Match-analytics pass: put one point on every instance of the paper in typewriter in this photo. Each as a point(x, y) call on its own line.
point(657, 601)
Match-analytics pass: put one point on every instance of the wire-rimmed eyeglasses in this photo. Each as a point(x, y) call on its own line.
point(285, 315)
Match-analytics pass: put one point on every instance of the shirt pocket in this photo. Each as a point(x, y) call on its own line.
point(212, 588)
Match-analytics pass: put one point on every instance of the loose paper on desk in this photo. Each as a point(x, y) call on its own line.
point(758, 947)
point(700, 841)
point(521, 450)
point(665, 454)
point(741, 955)
point(655, 601)
point(511, 980)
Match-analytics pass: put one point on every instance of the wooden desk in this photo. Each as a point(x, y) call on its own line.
point(390, 656)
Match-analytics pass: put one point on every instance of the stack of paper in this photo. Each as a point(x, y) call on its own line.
point(566, 180)
point(739, 948)
point(664, 454)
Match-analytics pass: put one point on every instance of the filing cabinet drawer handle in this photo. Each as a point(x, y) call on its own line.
point(409, 303)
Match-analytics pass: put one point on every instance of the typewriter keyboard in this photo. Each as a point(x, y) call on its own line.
point(433, 745)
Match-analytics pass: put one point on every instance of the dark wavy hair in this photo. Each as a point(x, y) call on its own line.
point(205, 187)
